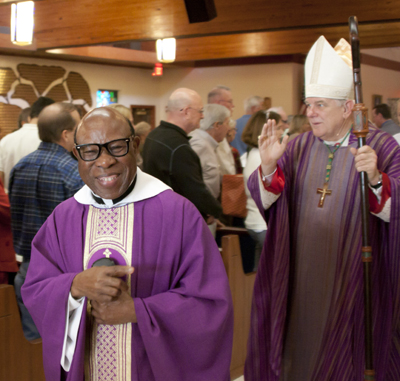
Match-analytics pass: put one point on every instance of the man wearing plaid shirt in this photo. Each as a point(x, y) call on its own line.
point(38, 183)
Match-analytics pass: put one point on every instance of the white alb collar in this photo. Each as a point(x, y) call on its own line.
point(146, 187)
point(344, 144)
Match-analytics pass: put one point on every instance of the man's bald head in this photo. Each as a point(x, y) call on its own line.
point(56, 118)
point(181, 98)
point(185, 109)
point(104, 117)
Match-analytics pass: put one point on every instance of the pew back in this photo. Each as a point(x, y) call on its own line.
point(20, 359)
point(241, 286)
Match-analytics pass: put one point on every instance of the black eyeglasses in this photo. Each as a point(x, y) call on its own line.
point(116, 148)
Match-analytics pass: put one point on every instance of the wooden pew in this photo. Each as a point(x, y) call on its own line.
point(20, 359)
point(241, 286)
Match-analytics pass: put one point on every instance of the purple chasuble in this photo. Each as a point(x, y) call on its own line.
point(308, 303)
point(179, 286)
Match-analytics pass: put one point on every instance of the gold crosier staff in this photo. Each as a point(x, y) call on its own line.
point(360, 129)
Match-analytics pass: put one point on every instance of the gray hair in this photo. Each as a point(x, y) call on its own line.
point(216, 92)
point(213, 113)
point(125, 111)
point(252, 101)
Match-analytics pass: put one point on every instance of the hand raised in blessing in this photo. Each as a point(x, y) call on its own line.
point(271, 149)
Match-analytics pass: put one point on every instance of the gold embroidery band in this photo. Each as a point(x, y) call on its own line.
point(109, 234)
point(317, 61)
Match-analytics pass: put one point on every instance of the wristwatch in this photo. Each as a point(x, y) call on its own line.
point(378, 184)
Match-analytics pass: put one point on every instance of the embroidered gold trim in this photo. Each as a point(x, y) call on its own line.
point(317, 61)
point(108, 350)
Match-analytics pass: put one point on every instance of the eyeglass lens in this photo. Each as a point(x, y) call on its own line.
point(117, 148)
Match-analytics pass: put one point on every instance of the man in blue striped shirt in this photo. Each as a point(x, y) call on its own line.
point(38, 183)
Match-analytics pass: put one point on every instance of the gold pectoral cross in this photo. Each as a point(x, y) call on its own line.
point(324, 191)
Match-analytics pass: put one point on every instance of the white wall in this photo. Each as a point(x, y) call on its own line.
point(138, 86)
point(273, 80)
point(379, 81)
point(282, 82)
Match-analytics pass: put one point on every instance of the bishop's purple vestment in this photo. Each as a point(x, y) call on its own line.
point(308, 307)
point(180, 289)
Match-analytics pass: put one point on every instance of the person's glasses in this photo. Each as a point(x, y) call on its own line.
point(201, 111)
point(116, 148)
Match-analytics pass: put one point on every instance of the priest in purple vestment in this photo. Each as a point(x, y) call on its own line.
point(161, 310)
point(308, 305)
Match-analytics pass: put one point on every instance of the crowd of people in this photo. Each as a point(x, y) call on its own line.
point(114, 226)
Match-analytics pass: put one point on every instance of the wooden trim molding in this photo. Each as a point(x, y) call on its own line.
point(383, 63)
point(285, 58)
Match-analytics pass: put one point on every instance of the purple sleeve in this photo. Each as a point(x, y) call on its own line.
point(187, 330)
point(48, 282)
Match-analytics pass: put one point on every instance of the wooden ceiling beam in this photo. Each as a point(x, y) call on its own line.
point(256, 28)
point(211, 48)
point(281, 42)
point(109, 54)
point(69, 23)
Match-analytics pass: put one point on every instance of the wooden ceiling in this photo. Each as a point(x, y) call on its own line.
point(79, 29)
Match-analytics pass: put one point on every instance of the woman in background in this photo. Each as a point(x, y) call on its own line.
point(298, 125)
point(254, 222)
point(142, 129)
point(230, 136)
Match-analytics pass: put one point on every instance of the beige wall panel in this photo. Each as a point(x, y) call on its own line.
point(282, 82)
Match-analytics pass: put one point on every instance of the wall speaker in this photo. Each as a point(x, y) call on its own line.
point(200, 10)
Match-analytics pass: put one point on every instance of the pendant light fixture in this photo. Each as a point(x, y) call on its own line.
point(166, 49)
point(22, 23)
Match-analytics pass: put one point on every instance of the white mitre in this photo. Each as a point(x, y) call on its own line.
point(328, 71)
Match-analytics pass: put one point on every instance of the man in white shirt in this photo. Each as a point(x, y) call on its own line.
point(204, 141)
point(14, 146)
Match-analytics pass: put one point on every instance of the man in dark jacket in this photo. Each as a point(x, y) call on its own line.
point(168, 156)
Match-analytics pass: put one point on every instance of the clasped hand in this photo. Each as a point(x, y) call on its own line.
point(108, 293)
point(271, 149)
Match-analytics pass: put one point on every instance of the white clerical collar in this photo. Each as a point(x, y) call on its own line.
point(146, 187)
point(344, 144)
